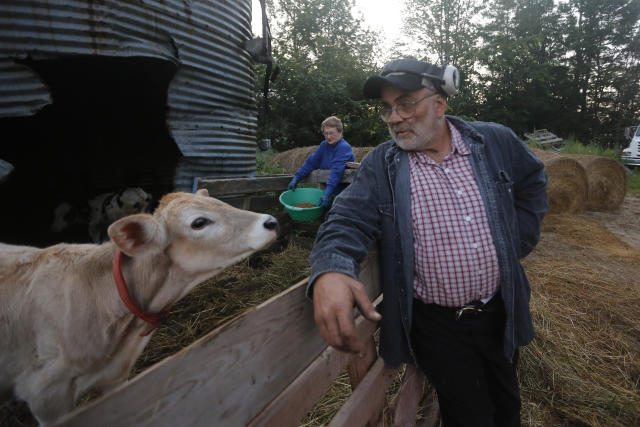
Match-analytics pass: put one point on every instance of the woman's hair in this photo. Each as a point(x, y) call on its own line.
point(332, 122)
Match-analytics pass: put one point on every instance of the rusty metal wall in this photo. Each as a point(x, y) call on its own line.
point(211, 107)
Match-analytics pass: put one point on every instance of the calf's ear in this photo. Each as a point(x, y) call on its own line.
point(202, 192)
point(139, 234)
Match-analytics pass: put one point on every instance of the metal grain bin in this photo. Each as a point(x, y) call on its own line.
point(100, 95)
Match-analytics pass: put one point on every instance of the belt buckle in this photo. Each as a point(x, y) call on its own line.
point(466, 308)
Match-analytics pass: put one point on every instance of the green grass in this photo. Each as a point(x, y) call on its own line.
point(573, 146)
point(576, 147)
point(633, 182)
point(263, 167)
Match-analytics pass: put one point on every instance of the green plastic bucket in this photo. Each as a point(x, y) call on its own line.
point(290, 199)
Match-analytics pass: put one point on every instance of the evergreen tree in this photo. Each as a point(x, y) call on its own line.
point(325, 54)
point(446, 32)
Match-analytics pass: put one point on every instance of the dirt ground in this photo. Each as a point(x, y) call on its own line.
point(624, 222)
point(583, 368)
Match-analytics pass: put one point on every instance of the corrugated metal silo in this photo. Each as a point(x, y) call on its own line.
point(58, 51)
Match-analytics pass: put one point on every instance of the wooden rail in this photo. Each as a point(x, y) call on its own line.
point(265, 183)
point(261, 193)
point(268, 367)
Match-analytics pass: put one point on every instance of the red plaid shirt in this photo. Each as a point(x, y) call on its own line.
point(455, 259)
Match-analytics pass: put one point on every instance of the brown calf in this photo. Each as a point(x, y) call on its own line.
point(63, 326)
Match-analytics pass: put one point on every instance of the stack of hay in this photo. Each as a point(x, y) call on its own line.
point(582, 182)
point(291, 160)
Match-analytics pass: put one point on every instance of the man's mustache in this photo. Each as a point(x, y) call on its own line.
point(400, 129)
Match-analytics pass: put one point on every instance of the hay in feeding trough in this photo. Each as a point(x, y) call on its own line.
point(567, 186)
point(606, 182)
point(225, 297)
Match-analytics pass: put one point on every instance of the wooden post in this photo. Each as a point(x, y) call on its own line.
point(431, 416)
point(408, 398)
point(366, 403)
point(299, 397)
point(359, 365)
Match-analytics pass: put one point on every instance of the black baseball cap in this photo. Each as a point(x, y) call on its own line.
point(405, 74)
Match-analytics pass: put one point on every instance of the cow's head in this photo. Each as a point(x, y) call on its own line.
point(129, 201)
point(200, 234)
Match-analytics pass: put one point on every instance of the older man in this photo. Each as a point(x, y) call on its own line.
point(454, 206)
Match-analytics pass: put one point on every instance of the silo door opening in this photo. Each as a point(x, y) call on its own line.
point(105, 131)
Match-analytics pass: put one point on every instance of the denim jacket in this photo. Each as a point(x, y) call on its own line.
point(376, 208)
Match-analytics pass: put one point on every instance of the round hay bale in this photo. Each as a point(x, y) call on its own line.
point(606, 182)
point(361, 152)
point(291, 160)
point(567, 186)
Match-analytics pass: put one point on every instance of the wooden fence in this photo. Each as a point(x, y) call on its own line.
point(267, 367)
point(260, 193)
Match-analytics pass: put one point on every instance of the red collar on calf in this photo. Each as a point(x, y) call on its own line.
point(154, 319)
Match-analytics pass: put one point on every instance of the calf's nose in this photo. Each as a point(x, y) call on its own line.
point(270, 223)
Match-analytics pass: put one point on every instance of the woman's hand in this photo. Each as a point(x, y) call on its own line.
point(292, 184)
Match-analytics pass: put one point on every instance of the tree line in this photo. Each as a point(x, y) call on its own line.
point(570, 66)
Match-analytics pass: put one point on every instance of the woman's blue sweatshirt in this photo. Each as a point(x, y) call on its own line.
point(332, 157)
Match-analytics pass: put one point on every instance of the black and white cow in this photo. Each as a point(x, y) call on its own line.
point(98, 213)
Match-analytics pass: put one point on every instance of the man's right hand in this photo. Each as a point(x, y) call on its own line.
point(334, 295)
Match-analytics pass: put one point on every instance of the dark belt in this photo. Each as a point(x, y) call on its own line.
point(474, 308)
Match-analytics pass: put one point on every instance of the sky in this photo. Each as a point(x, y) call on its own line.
point(384, 16)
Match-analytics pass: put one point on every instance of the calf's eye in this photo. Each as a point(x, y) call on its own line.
point(200, 223)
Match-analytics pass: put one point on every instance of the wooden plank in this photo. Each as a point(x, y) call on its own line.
point(367, 401)
point(547, 139)
point(228, 376)
point(322, 175)
point(254, 203)
point(264, 203)
point(543, 137)
point(359, 365)
point(293, 404)
point(259, 184)
point(431, 410)
point(408, 397)
point(218, 187)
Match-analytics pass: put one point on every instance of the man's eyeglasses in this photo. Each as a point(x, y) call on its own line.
point(329, 134)
point(404, 109)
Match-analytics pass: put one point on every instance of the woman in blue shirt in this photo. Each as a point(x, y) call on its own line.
point(333, 153)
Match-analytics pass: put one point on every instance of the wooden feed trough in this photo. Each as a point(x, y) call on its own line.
point(268, 367)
